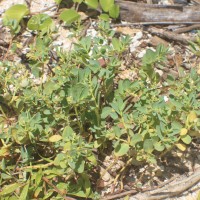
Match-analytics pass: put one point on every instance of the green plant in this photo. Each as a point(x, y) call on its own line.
point(13, 16)
point(68, 113)
point(108, 6)
point(195, 46)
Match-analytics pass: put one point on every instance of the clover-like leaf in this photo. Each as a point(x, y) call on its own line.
point(92, 3)
point(104, 17)
point(40, 22)
point(106, 4)
point(16, 12)
point(69, 16)
point(114, 11)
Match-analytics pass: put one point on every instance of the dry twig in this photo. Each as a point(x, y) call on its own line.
point(167, 191)
point(170, 35)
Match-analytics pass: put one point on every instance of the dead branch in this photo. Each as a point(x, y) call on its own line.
point(170, 35)
point(138, 12)
point(188, 28)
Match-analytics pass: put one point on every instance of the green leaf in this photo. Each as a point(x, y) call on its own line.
point(106, 112)
point(92, 159)
point(114, 11)
point(69, 16)
point(135, 139)
point(38, 177)
point(121, 149)
point(49, 87)
point(116, 44)
point(24, 193)
point(77, 1)
point(78, 165)
point(59, 157)
point(9, 189)
point(186, 139)
point(58, 1)
point(16, 12)
point(104, 17)
point(106, 4)
point(40, 22)
point(78, 92)
point(148, 145)
point(68, 133)
point(92, 3)
point(87, 184)
point(158, 146)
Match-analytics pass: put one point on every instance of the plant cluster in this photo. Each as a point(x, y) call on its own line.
point(60, 116)
point(13, 17)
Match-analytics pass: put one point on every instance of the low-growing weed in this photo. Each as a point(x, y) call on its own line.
point(59, 117)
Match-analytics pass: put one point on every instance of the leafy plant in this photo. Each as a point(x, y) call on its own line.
point(69, 112)
point(69, 16)
point(40, 22)
point(195, 46)
point(13, 16)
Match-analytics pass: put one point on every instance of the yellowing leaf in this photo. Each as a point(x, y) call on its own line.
point(126, 197)
point(186, 139)
point(192, 116)
point(55, 138)
point(183, 131)
point(181, 146)
point(4, 151)
point(198, 196)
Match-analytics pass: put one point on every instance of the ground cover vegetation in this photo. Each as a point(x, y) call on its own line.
point(60, 117)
